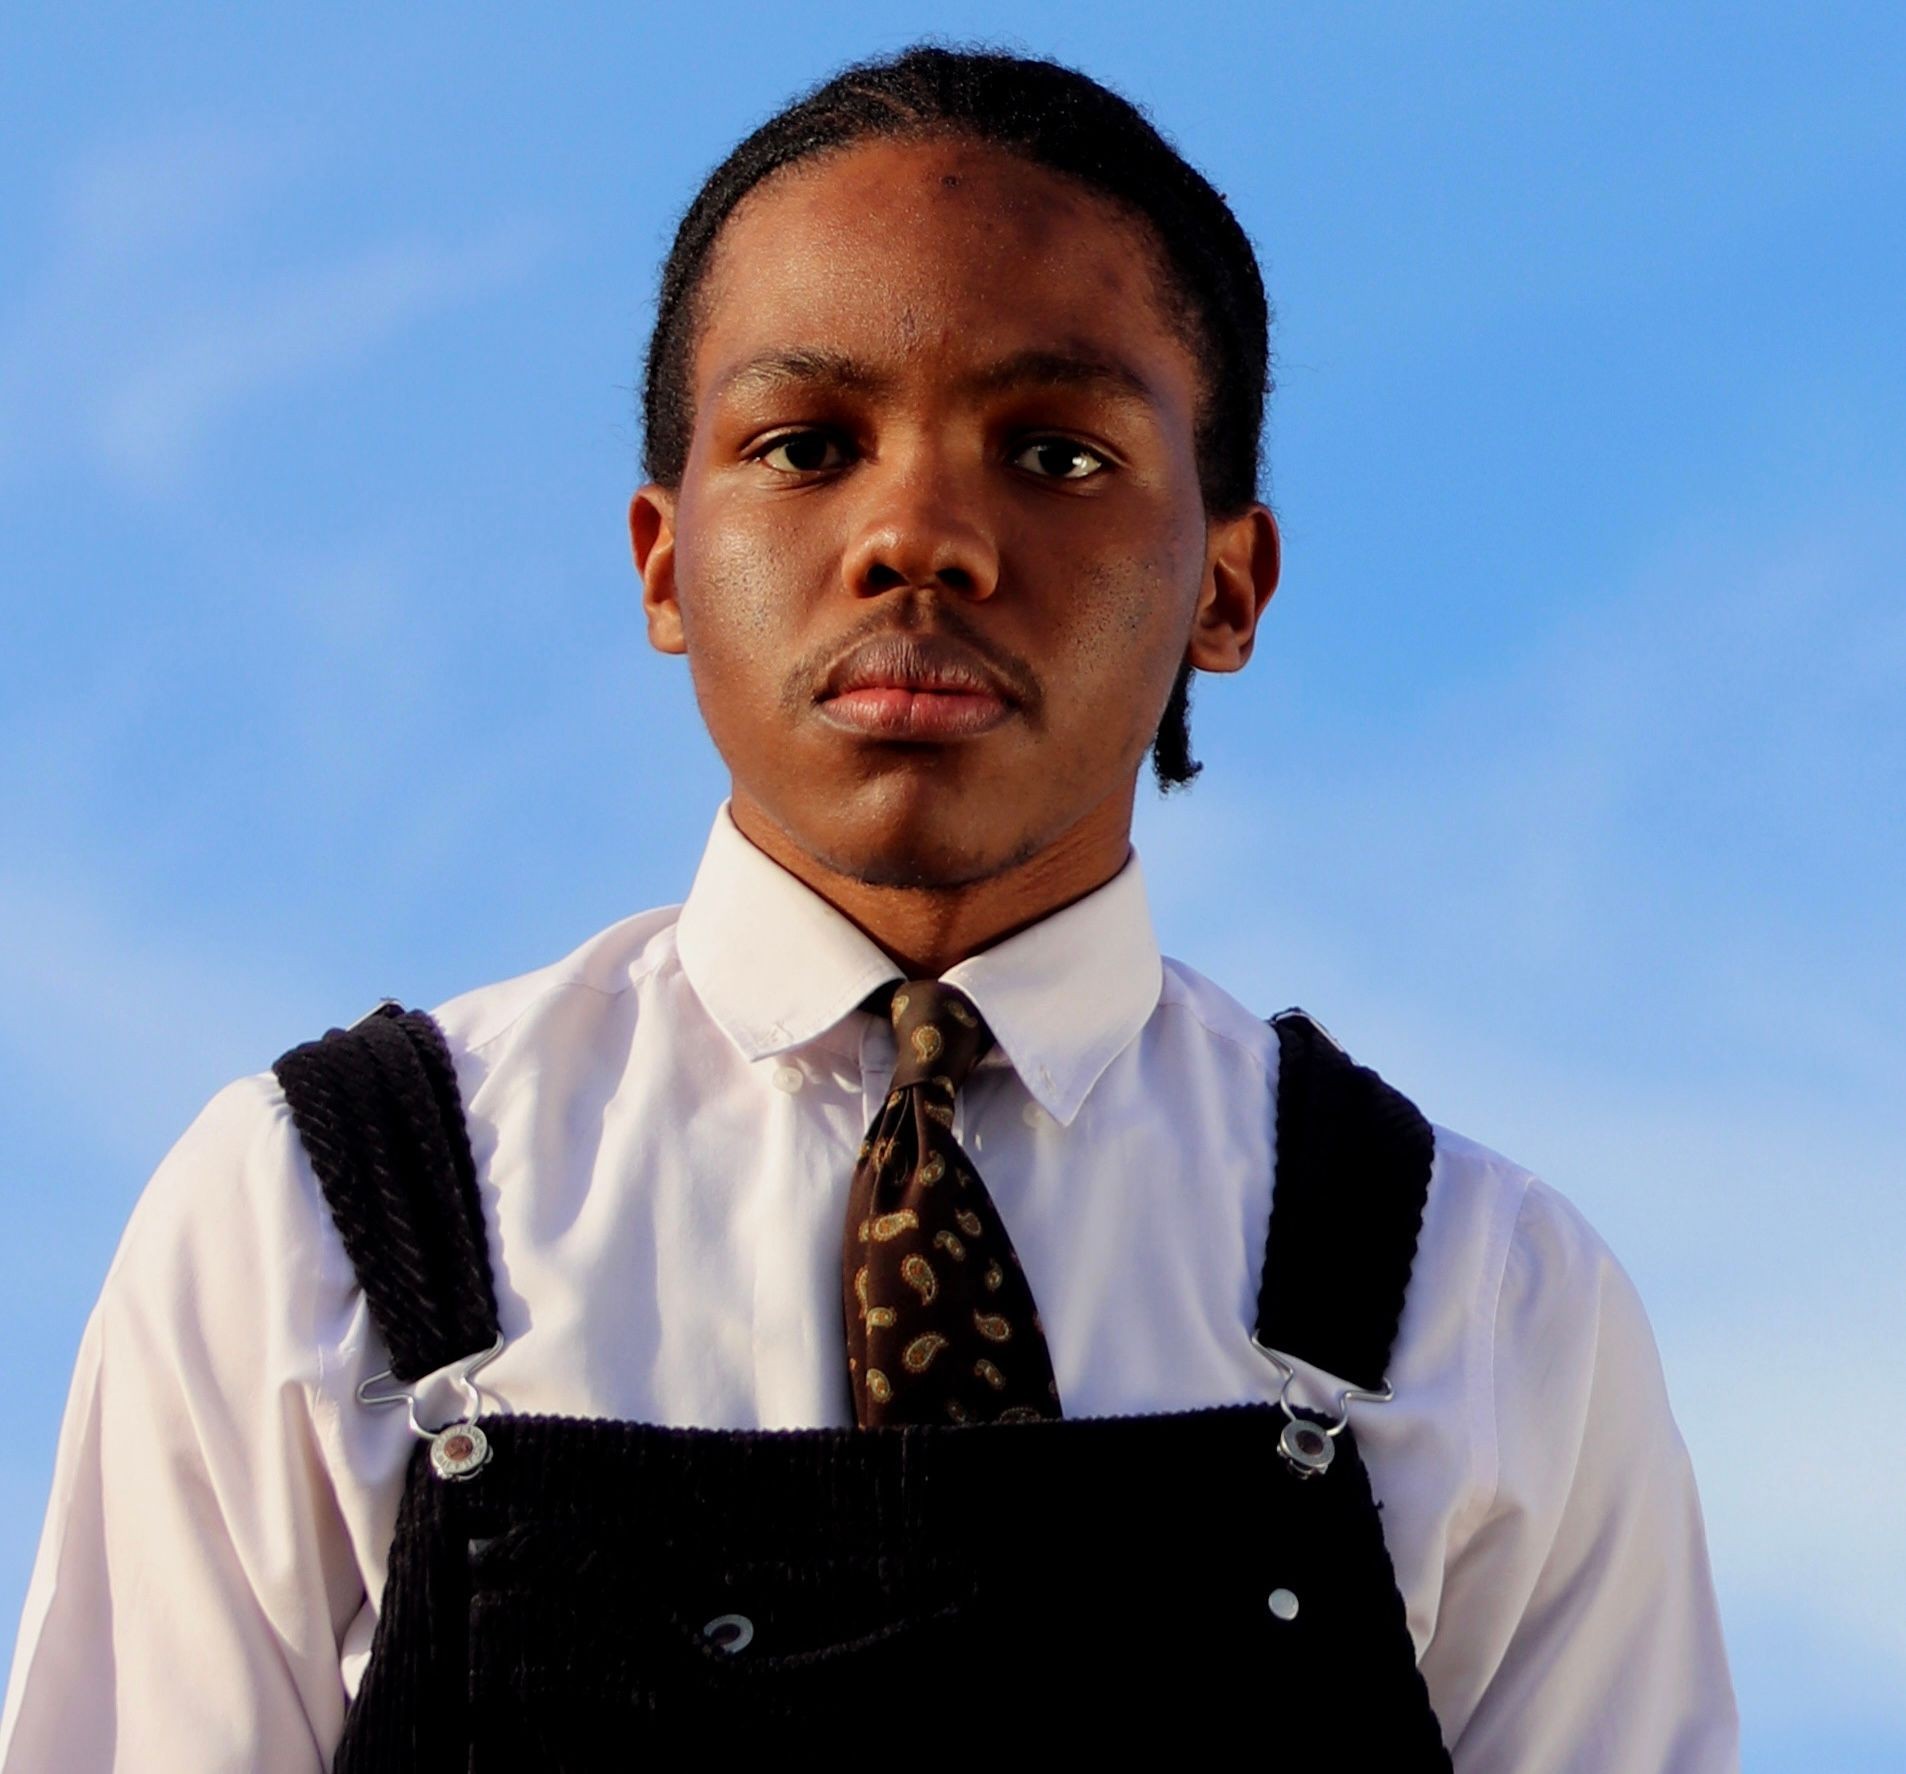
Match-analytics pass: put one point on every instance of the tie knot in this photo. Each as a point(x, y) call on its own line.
point(939, 1034)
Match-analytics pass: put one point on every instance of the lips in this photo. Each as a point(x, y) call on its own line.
point(920, 687)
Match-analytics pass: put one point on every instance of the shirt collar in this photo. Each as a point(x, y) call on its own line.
point(776, 965)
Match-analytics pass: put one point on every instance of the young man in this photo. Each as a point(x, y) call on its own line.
point(898, 1137)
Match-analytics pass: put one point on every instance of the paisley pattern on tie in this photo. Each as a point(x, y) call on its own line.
point(941, 1325)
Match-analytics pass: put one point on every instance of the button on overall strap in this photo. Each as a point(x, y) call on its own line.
point(379, 1112)
point(1353, 1171)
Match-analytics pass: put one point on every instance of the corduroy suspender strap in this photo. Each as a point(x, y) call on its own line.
point(378, 1110)
point(379, 1113)
point(1353, 1171)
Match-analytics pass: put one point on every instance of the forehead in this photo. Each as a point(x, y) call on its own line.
point(939, 252)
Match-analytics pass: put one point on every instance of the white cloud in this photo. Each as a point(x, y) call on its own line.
point(119, 218)
point(100, 999)
point(151, 423)
point(129, 201)
point(141, 329)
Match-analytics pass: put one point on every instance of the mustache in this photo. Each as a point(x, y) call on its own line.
point(944, 649)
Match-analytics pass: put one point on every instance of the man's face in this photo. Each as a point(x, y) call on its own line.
point(939, 548)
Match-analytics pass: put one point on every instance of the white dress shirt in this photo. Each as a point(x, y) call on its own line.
point(665, 1125)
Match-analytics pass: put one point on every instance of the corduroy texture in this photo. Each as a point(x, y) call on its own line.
point(1083, 1584)
point(1059, 1586)
point(1353, 1171)
point(378, 1110)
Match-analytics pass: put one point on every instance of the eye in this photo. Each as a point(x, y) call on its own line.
point(804, 452)
point(1059, 458)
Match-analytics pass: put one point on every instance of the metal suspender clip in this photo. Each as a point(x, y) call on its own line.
point(459, 1448)
point(1309, 1447)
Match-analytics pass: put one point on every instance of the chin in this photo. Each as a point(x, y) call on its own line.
point(921, 870)
point(888, 841)
point(912, 858)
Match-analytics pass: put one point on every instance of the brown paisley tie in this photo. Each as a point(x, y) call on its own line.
point(941, 1326)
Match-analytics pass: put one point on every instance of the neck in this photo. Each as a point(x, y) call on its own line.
point(927, 929)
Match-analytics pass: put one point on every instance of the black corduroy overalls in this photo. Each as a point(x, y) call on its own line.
point(591, 1590)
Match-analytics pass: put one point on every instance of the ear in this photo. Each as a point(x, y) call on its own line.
point(652, 541)
point(1243, 556)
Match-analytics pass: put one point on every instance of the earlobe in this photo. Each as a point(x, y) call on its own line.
point(652, 541)
point(1242, 563)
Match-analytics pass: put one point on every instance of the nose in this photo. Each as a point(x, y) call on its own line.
point(923, 525)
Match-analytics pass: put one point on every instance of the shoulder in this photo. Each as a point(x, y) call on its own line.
point(1193, 1007)
point(1550, 1292)
point(1518, 1293)
point(1576, 1601)
point(1572, 1336)
point(1519, 1267)
point(1510, 1279)
point(1514, 1226)
point(236, 1193)
point(206, 1178)
point(1499, 1254)
point(1482, 1205)
point(611, 966)
point(1471, 1184)
point(226, 1255)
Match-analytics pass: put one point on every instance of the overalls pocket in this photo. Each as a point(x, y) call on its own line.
point(576, 1639)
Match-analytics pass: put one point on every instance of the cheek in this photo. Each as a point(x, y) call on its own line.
point(1126, 654)
point(739, 597)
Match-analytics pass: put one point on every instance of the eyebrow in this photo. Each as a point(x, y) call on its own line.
point(817, 367)
point(802, 367)
point(1091, 370)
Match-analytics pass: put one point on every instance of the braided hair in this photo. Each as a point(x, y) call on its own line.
point(1062, 120)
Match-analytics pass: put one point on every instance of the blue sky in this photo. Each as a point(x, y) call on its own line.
point(1565, 787)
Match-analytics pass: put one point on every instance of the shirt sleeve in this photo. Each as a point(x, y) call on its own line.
point(1591, 1639)
point(194, 1577)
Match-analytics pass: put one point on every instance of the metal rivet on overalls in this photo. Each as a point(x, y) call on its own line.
point(459, 1450)
point(1307, 1450)
point(729, 1632)
point(1284, 1604)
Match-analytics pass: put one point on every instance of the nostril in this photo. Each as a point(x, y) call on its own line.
point(881, 576)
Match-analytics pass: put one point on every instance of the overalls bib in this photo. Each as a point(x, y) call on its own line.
point(568, 1594)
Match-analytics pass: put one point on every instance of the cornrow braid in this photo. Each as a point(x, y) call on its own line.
point(1057, 118)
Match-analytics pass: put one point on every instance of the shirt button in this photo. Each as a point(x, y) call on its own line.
point(1034, 1116)
point(789, 1078)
